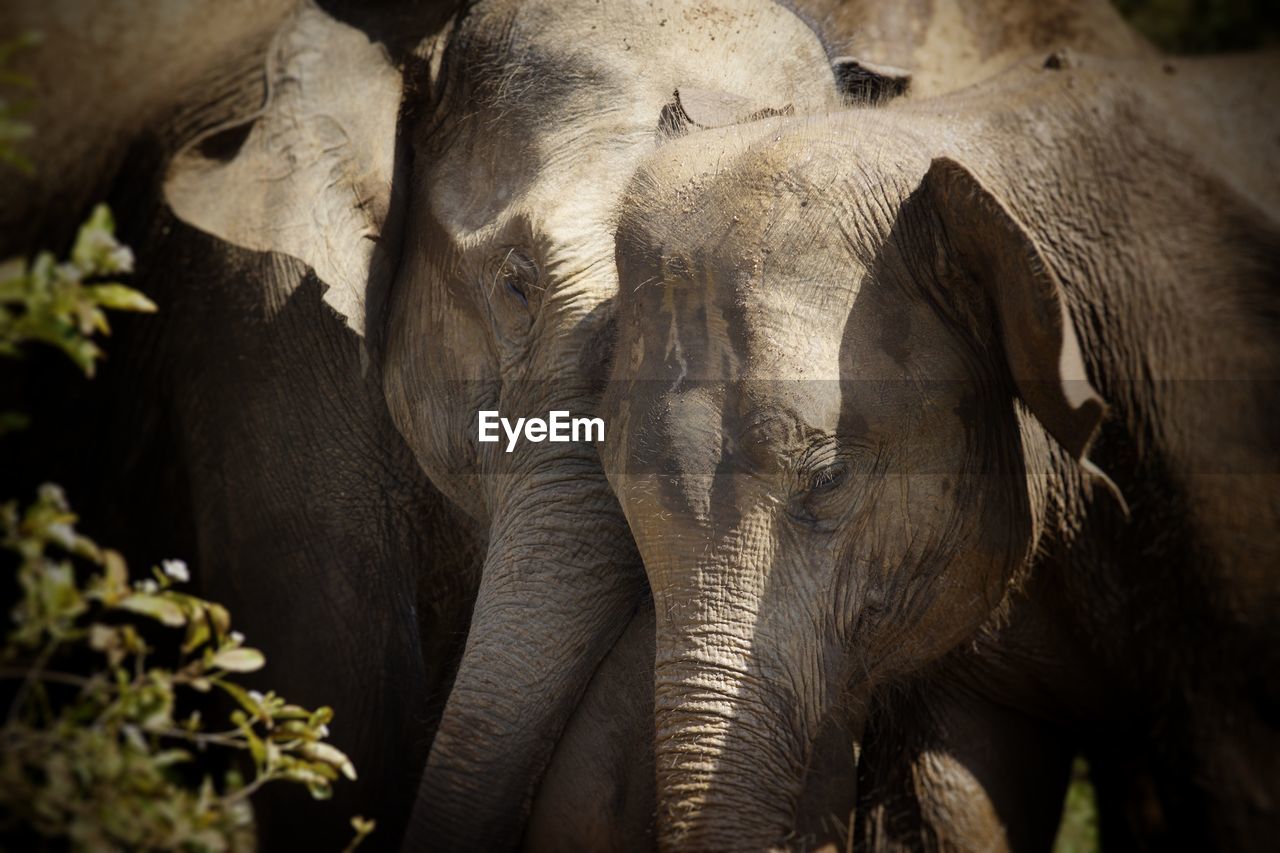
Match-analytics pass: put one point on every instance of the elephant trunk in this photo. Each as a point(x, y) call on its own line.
point(743, 699)
point(731, 757)
point(552, 600)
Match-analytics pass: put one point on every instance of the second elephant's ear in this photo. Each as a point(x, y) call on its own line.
point(1036, 330)
point(312, 178)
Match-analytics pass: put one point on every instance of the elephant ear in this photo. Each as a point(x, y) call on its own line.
point(312, 178)
point(1039, 337)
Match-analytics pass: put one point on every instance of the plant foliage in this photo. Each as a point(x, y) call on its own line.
point(63, 304)
point(95, 747)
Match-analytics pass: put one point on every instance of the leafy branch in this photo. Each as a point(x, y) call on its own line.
point(63, 304)
point(97, 758)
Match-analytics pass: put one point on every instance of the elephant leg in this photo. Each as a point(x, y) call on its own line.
point(944, 769)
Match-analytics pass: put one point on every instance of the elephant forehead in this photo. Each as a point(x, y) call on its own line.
point(568, 96)
point(477, 188)
point(656, 42)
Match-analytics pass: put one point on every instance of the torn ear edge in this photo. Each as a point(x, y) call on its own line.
point(1038, 336)
point(312, 177)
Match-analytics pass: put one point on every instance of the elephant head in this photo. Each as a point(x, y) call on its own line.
point(839, 373)
point(461, 211)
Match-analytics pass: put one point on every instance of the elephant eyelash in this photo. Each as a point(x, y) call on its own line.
point(828, 478)
point(828, 466)
point(822, 453)
point(515, 287)
point(519, 273)
point(814, 505)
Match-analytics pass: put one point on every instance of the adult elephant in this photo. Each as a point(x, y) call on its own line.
point(859, 432)
point(460, 211)
point(235, 428)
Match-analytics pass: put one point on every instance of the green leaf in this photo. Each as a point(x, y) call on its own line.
point(160, 609)
point(219, 618)
point(120, 298)
point(96, 251)
point(256, 747)
point(239, 660)
point(117, 574)
point(319, 787)
point(330, 755)
point(293, 712)
point(197, 635)
point(169, 757)
point(363, 828)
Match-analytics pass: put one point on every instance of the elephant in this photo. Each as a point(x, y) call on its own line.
point(235, 428)
point(964, 407)
point(458, 213)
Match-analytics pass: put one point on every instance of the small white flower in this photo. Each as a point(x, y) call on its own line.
point(323, 731)
point(176, 569)
point(257, 697)
point(148, 586)
point(236, 637)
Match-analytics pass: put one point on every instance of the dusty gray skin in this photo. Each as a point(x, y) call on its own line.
point(598, 791)
point(492, 229)
point(861, 368)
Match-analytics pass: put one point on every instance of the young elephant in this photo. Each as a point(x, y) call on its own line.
point(857, 425)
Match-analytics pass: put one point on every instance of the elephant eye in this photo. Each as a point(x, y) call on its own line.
point(809, 507)
point(518, 274)
point(828, 478)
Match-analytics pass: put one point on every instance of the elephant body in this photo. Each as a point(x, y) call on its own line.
point(955, 416)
